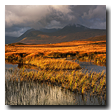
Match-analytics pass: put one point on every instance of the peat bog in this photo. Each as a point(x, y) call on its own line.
point(56, 64)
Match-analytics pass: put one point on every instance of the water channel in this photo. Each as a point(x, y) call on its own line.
point(35, 93)
point(86, 66)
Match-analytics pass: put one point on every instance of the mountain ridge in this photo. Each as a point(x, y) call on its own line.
point(67, 33)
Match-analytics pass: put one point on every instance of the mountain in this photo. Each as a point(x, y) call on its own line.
point(68, 33)
point(96, 38)
point(24, 35)
point(72, 28)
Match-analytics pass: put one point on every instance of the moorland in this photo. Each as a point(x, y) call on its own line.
point(53, 62)
point(94, 51)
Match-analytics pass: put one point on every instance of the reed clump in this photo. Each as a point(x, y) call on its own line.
point(76, 81)
point(53, 64)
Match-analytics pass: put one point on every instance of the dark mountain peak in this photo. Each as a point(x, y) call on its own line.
point(68, 33)
point(73, 28)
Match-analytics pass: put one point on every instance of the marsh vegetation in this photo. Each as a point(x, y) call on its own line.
point(40, 88)
point(56, 64)
point(94, 51)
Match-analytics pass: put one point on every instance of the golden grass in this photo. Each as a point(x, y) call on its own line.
point(93, 50)
point(67, 47)
point(53, 64)
point(76, 81)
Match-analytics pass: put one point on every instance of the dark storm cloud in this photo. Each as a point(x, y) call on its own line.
point(93, 16)
point(20, 18)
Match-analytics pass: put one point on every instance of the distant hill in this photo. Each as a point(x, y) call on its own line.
point(68, 33)
point(72, 28)
point(96, 38)
point(24, 35)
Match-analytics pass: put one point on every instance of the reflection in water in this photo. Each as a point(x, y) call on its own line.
point(30, 93)
point(19, 65)
point(35, 93)
point(27, 93)
point(90, 67)
point(9, 65)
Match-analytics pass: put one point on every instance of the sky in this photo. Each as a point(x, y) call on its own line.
point(20, 18)
point(15, 28)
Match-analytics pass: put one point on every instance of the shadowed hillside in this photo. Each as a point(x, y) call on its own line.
point(68, 33)
point(96, 38)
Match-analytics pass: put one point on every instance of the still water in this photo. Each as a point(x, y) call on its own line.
point(86, 66)
point(35, 93)
point(90, 67)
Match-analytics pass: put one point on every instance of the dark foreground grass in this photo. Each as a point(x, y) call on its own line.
point(95, 83)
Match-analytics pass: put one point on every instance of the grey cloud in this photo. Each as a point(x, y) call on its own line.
point(88, 15)
point(54, 24)
point(24, 15)
point(97, 12)
point(30, 15)
point(53, 16)
point(15, 31)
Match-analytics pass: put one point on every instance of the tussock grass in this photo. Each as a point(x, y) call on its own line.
point(76, 81)
point(53, 64)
